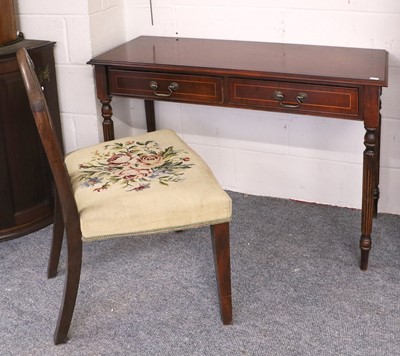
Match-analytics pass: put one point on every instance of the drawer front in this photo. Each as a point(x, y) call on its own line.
point(160, 86)
point(301, 98)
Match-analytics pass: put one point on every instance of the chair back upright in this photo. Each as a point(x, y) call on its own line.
point(49, 139)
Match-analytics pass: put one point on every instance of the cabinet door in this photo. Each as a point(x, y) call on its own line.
point(28, 180)
point(6, 198)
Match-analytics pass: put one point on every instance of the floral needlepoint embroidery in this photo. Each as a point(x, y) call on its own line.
point(134, 165)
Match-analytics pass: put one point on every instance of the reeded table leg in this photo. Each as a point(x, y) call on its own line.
point(370, 194)
point(368, 202)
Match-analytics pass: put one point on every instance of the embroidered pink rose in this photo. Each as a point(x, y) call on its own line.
point(119, 158)
point(150, 160)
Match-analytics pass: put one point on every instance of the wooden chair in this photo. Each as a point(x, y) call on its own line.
point(135, 185)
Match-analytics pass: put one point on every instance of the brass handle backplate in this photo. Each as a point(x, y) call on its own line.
point(300, 98)
point(171, 88)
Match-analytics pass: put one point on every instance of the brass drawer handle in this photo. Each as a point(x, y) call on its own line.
point(172, 88)
point(300, 98)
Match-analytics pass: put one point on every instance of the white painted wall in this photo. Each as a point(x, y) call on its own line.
point(80, 30)
point(290, 156)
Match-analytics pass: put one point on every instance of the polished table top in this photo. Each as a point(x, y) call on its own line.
point(274, 60)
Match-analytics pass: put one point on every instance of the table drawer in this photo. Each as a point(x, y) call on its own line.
point(161, 86)
point(302, 98)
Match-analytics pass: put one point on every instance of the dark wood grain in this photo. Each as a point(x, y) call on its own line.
point(321, 99)
point(221, 248)
point(259, 59)
point(200, 89)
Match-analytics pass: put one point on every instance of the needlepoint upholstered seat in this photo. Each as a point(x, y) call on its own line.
point(142, 185)
point(146, 184)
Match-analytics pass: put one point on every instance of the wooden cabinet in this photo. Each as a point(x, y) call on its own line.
point(26, 193)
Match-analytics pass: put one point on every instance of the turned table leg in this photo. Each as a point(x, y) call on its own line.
point(377, 158)
point(370, 192)
point(105, 99)
point(108, 125)
point(369, 174)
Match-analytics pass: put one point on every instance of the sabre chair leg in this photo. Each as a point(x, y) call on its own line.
point(70, 289)
point(220, 241)
point(56, 244)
